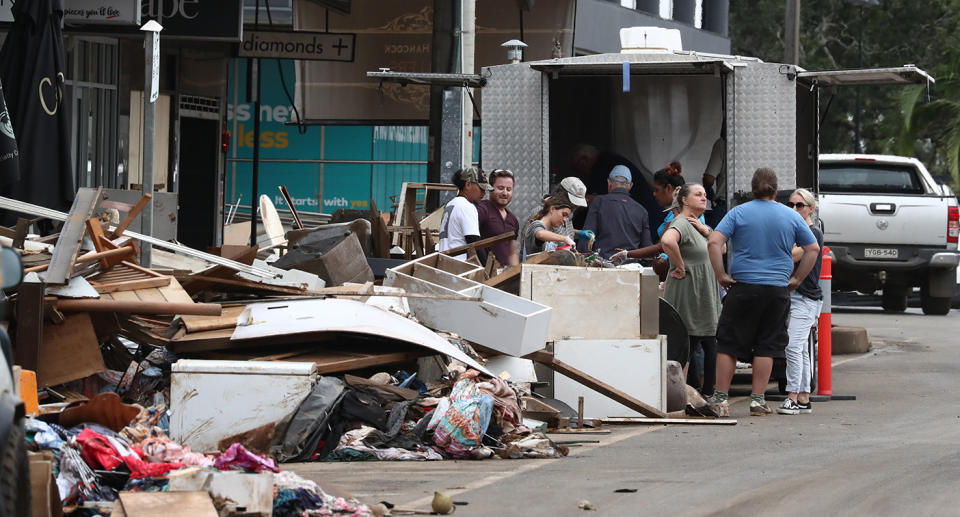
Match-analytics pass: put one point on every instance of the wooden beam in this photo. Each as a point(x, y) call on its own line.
point(20, 233)
point(95, 231)
point(336, 361)
point(132, 214)
point(418, 240)
point(547, 359)
point(293, 210)
point(29, 336)
point(131, 284)
point(669, 421)
point(49, 239)
point(379, 236)
point(514, 271)
point(481, 244)
point(492, 265)
point(124, 252)
point(65, 252)
point(327, 291)
point(139, 307)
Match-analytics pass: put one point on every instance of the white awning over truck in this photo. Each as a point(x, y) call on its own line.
point(907, 74)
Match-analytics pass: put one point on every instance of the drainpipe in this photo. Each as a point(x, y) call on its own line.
point(467, 39)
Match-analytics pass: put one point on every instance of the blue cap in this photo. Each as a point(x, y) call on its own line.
point(621, 172)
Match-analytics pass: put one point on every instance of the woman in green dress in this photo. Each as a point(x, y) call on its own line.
point(691, 285)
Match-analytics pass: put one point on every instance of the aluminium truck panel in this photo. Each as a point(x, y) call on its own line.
point(515, 131)
point(761, 126)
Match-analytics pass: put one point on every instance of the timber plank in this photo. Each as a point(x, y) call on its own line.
point(334, 361)
point(131, 284)
point(547, 359)
point(514, 271)
point(481, 244)
point(670, 421)
point(132, 214)
point(227, 320)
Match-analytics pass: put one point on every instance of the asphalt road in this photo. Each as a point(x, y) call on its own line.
point(892, 451)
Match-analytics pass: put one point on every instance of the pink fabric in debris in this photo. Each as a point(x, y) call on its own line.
point(107, 453)
point(238, 457)
point(162, 449)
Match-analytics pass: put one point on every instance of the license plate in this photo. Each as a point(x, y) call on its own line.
point(881, 253)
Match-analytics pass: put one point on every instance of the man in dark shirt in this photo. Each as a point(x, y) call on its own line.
point(617, 220)
point(496, 219)
point(592, 166)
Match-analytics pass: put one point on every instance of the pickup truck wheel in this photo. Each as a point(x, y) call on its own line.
point(935, 306)
point(894, 302)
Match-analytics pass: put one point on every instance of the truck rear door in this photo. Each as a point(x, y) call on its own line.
point(875, 202)
point(809, 117)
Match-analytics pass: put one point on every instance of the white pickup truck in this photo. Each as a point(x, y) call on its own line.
point(891, 227)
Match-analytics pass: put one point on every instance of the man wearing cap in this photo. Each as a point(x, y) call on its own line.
point(593, 166)
point(616, 219)
point(496, 219)
point(460, 224)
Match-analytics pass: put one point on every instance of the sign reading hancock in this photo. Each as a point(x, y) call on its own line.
point(314, 46)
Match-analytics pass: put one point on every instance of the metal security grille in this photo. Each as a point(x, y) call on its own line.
point(91, 98)
point(199, 107)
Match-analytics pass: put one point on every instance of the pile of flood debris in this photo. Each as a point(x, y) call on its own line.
point(148, 382)
point(353, 340)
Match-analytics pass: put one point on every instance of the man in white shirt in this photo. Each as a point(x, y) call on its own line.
point(460, 224)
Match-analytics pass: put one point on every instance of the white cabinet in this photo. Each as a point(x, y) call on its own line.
point(213, 400)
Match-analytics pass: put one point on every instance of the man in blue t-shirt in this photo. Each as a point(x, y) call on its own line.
point(753, 321)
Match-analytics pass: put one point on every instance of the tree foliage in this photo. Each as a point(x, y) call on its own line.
point(896, 120)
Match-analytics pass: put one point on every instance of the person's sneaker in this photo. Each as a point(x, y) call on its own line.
point(805, 408)
point(720, 407)
point(758, 408)
point(789, 407)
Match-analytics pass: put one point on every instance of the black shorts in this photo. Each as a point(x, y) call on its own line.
point(753, 321)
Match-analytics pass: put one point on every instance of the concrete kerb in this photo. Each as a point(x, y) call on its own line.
point(850, 340)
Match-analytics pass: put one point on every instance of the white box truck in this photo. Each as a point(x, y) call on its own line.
point(679, 105)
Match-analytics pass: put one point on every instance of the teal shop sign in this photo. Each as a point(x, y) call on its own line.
point(309, 162)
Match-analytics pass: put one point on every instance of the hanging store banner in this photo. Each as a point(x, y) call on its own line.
point(201, 20)
point(397, 35)
point(316, 46)
point(218, 20)
point(119, 12)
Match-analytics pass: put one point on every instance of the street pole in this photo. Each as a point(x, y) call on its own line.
point(255, 173)
point(151, 90)
point(856, 113)
point(467, 38)
point(791, 40)
point(441, 57)
point(255, 187)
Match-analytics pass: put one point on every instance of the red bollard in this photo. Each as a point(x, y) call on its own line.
point(824, 331)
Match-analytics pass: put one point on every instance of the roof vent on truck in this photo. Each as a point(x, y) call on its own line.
point(634, 40)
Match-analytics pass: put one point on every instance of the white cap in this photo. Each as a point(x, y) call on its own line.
point(576, 190)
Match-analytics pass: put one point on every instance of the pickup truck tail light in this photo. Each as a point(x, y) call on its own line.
point(953, 224)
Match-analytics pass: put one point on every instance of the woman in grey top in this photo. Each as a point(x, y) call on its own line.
point(691, 286)
point(544, 231)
